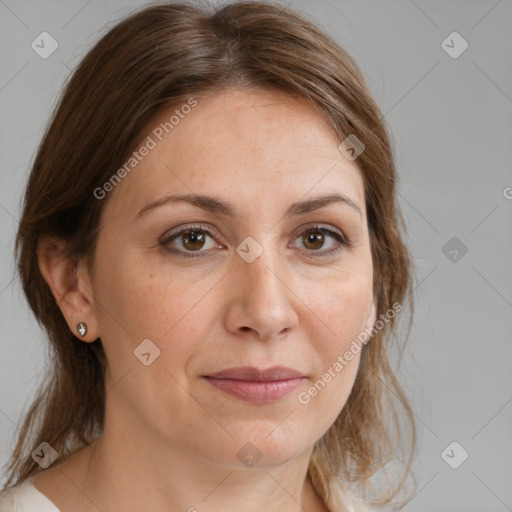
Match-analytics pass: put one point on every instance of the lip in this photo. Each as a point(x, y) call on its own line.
point(256, 385)
point(255, 374)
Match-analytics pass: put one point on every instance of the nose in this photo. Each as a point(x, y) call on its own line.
point(262, 303)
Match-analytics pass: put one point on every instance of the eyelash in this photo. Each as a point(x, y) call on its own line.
point(342, 241)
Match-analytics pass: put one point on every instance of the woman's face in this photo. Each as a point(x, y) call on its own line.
point(260, 280)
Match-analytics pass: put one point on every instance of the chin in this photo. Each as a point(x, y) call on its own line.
point(261, 451)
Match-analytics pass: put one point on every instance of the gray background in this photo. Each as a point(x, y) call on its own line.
point(451, 124)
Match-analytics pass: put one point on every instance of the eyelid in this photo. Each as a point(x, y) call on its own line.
point(190, 227)
point(322, 227)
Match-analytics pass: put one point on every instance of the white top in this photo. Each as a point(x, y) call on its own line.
point(25, 497)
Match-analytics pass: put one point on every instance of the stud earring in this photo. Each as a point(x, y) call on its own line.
point(82, 328)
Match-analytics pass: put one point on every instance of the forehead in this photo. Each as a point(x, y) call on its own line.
point(241, 144)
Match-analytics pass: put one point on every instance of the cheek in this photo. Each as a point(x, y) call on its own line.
point(343, 310)
point(136, 303)
point(342, 305)
point(338, 312)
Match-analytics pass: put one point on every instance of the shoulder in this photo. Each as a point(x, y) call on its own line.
point(25, 497)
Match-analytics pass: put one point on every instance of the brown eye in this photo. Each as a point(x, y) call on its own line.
point(313, 240)
point(189, 240)
point(193, 240)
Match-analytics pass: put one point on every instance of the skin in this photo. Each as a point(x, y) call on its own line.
point(171, 439)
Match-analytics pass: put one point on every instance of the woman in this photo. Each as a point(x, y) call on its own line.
point(211, 239)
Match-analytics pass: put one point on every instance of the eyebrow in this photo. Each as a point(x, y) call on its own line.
point(216, 206)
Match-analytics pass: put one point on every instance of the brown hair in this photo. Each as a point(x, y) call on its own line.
point(151, 60)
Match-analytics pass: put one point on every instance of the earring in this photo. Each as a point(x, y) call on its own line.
point(82, 328)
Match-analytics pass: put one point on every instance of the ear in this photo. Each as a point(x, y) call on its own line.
point(70, 284)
